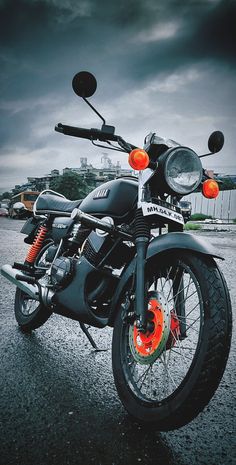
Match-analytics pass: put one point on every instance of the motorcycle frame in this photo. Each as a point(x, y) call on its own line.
point(145, 250)
point(133, 274)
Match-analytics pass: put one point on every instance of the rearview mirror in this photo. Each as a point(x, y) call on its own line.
point(216, 141)
point(84, 84)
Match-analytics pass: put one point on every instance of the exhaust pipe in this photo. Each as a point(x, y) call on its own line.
point(11, 274)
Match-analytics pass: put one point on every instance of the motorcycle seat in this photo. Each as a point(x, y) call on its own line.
point(49, 203)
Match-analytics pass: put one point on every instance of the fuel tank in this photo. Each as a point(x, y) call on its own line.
point(116, 198)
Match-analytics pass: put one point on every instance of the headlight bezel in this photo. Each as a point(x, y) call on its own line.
point(162, 183)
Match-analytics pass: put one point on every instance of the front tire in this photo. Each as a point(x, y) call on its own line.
point(173, 387)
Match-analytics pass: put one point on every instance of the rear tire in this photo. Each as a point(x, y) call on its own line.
point(171, 390)
point(30, 314)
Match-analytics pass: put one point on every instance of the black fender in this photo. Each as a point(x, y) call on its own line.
point(160, 244)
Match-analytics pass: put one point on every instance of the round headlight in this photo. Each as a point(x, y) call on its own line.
point(182, 170)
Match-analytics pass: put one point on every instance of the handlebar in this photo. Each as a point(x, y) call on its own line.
point(106, 134)
point(91, 134)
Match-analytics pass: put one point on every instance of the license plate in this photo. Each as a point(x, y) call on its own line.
point(164, 210)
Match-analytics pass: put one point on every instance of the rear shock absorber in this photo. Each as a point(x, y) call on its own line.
point(37, 245)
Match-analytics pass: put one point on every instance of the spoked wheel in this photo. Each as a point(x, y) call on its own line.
point(31, 314)
point(169, 373)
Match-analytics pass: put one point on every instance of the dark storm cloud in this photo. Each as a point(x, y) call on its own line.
point(34, 34)
point(127, 44)
point(205, 33)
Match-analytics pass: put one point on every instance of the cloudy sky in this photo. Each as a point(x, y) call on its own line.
point(166, 66)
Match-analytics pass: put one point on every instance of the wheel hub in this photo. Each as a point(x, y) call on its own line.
point(147, 347)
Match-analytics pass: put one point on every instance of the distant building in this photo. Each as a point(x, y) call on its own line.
point(222, 207)
point(40, 183)
point(95, 176)
point(107, 172)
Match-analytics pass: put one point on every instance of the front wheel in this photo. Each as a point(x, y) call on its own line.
point(168, 375)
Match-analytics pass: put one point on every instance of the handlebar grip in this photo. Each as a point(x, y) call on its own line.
point(74, 131)
point(91, 134)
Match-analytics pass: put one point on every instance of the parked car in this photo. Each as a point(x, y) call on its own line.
point(186, 208)
point(3, 212)
point(213, 221)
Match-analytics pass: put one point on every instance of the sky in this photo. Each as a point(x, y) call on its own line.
point(166, 66)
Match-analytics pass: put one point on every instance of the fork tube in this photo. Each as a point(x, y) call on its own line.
point(142, 235)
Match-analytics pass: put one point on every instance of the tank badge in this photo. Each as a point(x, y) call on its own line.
point(101, 194)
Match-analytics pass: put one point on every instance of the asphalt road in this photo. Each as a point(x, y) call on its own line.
point(58, 402)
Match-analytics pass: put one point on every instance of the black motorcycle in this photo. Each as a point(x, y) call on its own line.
point(120, 258)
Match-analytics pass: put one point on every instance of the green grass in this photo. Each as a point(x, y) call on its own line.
point(192, 227)
point(199, 217)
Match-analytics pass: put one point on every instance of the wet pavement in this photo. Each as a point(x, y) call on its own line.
point(58, 402)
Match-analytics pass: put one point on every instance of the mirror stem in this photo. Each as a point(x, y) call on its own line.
point(207, 154)
point(94, 109)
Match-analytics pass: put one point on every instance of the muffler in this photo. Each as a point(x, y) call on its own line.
point(13, 275)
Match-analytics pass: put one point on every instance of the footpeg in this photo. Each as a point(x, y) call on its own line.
point(27, 279)
point(22, 266)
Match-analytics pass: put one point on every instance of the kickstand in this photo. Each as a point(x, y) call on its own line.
point(91, 340)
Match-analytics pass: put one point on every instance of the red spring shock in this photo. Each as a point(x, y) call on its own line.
point(37, 245)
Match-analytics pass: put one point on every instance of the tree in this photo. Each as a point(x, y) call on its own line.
point(6, 195)
point(71, 185)
point(227, 184)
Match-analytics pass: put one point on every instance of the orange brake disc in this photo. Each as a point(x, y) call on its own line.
point(146, 347)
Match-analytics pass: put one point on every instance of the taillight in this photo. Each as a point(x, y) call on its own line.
point(210, 189)
point(138, 159)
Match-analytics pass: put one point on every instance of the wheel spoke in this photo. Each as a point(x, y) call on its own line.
point(143, 376)
point(162, 360)
point(178, 353)
point(28, 305)
point(163, 375)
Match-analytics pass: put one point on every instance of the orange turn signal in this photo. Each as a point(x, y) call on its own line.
point(138, 159)
point(210, 189)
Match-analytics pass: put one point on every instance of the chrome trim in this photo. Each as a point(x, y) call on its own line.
point(143, 178)
point(46, 191)
point(10, 273)
point(45, 212)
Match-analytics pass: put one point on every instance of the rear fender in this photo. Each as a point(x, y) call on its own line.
point(164, 243)
point(30, 228)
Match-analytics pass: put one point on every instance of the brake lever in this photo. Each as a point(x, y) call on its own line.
point(125, 145)
point(107, 147)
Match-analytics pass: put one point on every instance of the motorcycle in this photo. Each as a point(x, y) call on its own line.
point(119, 258)
point(18, 211)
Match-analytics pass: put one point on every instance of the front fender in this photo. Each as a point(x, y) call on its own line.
point(160, 244)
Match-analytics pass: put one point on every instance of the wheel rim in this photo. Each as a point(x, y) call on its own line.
point(161, 376)
point(28, 305)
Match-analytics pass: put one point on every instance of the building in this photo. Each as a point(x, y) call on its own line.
point(107, 172)
point(222, 207)
point(40, 183)
point(95, 176)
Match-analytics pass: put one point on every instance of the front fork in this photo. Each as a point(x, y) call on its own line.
point(142, 237)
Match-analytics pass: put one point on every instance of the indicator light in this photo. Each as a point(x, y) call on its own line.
point(138, 159)
point(210, 189)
